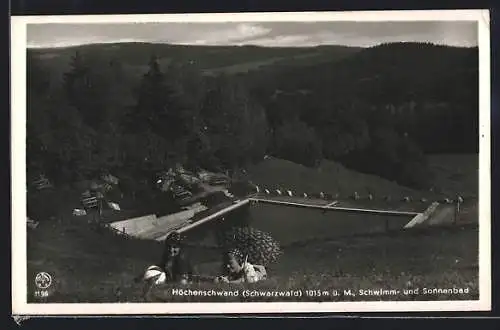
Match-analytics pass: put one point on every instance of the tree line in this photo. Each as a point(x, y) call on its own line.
point(382, 109)
point(90, 121)
point(98, 117)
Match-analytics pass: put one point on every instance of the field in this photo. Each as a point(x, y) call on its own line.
point(90, 266)
point(421, 259)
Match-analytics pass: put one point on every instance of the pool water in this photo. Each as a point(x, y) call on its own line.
point(290, 225)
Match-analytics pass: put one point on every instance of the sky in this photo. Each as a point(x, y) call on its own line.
point(270, 34)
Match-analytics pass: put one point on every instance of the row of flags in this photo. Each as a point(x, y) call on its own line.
point(288, 192)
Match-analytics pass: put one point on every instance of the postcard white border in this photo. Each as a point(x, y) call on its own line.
point(18, 115)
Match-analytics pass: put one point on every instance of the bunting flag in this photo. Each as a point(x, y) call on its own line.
point(354, 196)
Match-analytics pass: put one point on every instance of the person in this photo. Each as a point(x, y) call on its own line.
point(238, 270)
point(175, 261)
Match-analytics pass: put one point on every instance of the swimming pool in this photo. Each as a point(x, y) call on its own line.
point(289, 224)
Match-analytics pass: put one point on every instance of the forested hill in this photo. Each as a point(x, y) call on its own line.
point(134, 57)
point(138, 108)
point(428, 91)
point(400, 70)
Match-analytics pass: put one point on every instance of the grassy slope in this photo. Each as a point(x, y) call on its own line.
point(452, 175)
point(90, 266)
point(456, 173)
point(425, 260)
point(81, 260)
point(330, 177)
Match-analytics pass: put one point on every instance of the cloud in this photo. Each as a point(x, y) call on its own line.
point(229, 35)
point(63, 35)
point(269, 34)
point(279, 41)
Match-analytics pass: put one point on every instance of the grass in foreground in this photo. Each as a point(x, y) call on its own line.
point(437, 258)
point(98, 267)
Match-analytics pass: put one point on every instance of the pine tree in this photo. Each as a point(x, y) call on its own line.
point(86, 91)
point(235, 126)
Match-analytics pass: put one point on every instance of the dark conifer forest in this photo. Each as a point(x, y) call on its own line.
point(134, 109)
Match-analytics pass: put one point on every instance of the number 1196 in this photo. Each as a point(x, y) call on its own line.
point(41, 293)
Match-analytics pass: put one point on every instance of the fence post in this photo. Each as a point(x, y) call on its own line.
point(457, 211)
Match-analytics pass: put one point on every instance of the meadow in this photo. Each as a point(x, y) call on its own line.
point(98, 267)
point(324, 251)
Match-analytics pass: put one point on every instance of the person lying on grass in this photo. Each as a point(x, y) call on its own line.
point(238, 270)
point(175, 261)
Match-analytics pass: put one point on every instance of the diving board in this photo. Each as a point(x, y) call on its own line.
point(422, 217)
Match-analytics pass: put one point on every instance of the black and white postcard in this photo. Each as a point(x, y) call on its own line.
point(251, 163)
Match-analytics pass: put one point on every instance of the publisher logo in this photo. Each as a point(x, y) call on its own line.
point(43, 280)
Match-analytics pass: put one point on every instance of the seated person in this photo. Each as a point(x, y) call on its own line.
point(175, 261)
point(239, 270)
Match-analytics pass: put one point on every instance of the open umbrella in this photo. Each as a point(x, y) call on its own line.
point(260, 247)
